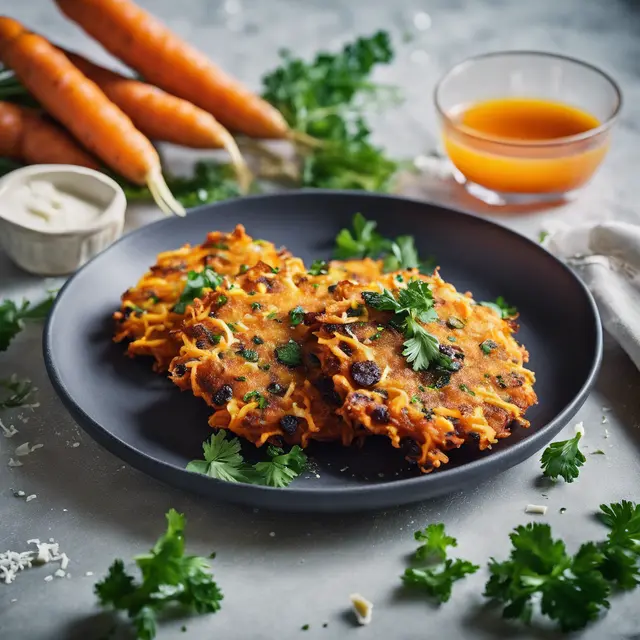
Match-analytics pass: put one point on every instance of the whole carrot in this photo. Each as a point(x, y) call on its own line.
point(162, 116)
point(25, 135)
point(164, 59)
point(84, 110)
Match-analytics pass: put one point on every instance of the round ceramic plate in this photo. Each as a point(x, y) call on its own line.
point(145, 420)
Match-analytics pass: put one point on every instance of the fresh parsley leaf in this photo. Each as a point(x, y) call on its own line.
point(289, 354)
point(437, 577)
point(563, 459)
point(621, 564)
point(571, 589)
point(13, 316)
point(436, 542)
point(361, 242)
point(222, 460)
point(414, 303)
point(283, 467)
point(501, 307)
point(296, 316)
point(256, 396)
point(438, 582)
point(169, 578)
point(197, 283)
point(319, 268)
point(19, 391)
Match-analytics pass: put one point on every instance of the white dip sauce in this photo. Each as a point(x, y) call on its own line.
point(40, 205)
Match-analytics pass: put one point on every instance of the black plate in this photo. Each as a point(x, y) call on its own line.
point(140, 416)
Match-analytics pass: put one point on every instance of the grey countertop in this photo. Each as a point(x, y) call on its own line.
point(279, 572)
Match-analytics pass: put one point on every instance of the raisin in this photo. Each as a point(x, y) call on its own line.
point(345, 348)
point(366, 373)
point(223, 394)
point(201, 344)
point(289, 424)
point(180, 370)
point(275, 389)
point(380, 414)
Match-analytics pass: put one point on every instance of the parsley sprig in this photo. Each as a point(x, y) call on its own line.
point(571, 588)
point(223, 461)
point(501, 307)
point(363, 241)
point(563, 459)
point(197, 283)
point(13, 316)
point(169, 577)
point(326, 99)
point(414, 305)
point(439, 574)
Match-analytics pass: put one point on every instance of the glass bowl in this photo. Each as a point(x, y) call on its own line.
point(501, 170)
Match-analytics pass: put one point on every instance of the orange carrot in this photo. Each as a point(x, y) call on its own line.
point(25, 135)
point(84, 110)
point(161, 116)
point(148, 46)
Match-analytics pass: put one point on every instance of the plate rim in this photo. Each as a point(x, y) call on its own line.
point(149, 464)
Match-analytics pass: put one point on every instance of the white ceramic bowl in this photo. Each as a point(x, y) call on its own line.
point(53, 252)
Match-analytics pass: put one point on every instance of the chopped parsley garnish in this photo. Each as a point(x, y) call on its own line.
point(169, 578)
point(488, 346)
point(222, 300)
point(249, 355)
point(415, 399)
point(542, 236)
point(296, 316)
point(463, 387)
point(257, 340)
point(264, 367)
point(256, 396)
point(413, 304)
point(275, 269)
point(319, 268)
point(272, 315)
point(439, 573)
point(289, 354)
point(501, 307)
point(244, 268)
point(13, 317)
point(220, 245)
point(563, 459)
point(451, 338)
point(454, 323)
point(18, 389)
point(241, 379)
point(233, 327)
point(197, 283)
point(223, 461)
point(255, 306)
point(251, 293)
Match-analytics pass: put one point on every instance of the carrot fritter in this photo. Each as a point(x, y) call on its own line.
point(425, 412)
point(243, 352)
point(146, 317)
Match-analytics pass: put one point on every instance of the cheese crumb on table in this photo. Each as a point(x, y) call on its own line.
point(579, 428)
point(536, 508)
point(362, 608)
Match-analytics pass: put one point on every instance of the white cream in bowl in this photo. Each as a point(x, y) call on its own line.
point(53, 218)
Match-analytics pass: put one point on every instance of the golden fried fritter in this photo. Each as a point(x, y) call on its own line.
point(146, 317)
point(430, 411)
point(243, 352)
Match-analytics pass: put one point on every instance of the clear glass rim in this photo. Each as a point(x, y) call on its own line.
point(555, 142)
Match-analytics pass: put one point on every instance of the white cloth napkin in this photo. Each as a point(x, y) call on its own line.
point(607, 257)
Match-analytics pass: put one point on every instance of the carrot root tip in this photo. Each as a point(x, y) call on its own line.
point(162, 194)
point(243, 173)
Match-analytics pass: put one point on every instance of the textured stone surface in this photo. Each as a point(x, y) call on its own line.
point(99, 509)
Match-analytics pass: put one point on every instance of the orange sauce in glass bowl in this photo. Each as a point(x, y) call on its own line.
point(524, 145)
